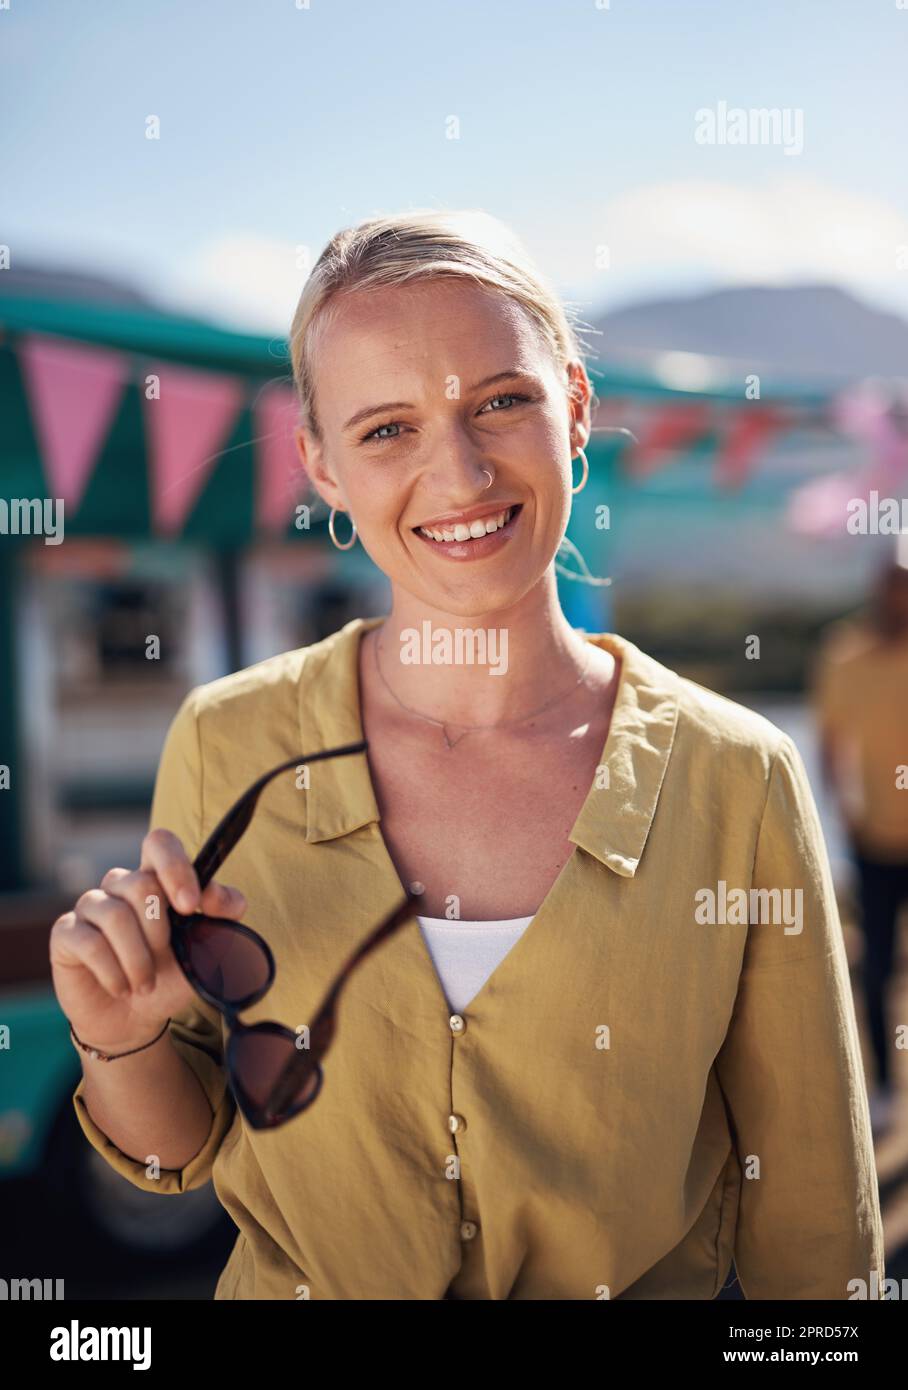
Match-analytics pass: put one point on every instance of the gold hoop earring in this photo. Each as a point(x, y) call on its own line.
point(351, 542)
point(586, 472)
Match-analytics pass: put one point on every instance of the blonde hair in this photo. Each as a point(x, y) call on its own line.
point(414, 246)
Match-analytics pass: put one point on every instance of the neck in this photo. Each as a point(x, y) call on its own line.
point(480, 668)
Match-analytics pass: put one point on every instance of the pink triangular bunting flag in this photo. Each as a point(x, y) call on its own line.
point(279, 471)
point(186, 429)
point(73, 392)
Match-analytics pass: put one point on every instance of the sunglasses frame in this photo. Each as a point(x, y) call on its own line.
point(280, 1106)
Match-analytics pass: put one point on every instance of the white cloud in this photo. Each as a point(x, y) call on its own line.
point(786, 229)
point(249, 281)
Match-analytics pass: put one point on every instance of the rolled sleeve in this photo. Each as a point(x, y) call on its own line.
point(195, 1033)
point(792, 1074)
point(192, 1040)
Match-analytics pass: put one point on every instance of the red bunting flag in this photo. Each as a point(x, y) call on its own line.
point(672, 428)
point(747, 431)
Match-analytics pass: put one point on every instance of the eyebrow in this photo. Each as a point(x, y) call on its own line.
point(508, 375)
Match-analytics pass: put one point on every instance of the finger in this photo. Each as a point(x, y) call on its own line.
point(222, 901)
point(165, 856)
point(76, 943)
point(142, 890)
point(117, 921)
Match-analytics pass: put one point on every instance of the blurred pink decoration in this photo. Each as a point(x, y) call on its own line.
point(73, 392)
point(820, 507)
point(876, 416)
point(186, 429)
point(279, 474)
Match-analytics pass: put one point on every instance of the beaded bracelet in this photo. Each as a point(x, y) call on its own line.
point(115, 1056)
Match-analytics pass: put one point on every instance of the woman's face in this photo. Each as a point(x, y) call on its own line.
point(424, 393)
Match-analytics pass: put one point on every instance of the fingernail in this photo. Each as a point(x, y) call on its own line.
point(185, 900)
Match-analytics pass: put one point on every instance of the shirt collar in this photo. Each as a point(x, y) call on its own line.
point(614, 821)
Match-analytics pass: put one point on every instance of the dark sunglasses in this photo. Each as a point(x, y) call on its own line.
point(271, 1075)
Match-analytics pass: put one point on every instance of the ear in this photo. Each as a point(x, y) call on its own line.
point(310, 455)
point(579, 396)
point(299, 440)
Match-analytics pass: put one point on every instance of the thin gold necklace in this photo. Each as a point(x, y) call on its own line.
point(477, 728)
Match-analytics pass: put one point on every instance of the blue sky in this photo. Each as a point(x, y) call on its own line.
point(280, 125)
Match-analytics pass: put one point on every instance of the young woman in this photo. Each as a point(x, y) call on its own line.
point(618, 1046)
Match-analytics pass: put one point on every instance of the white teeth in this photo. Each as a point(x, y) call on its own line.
point(462, 532)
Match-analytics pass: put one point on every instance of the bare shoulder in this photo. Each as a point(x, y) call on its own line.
point(845, 641)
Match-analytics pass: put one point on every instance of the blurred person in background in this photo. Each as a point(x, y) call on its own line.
point(861, 699)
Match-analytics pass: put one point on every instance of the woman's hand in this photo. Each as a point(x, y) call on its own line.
point(114, 973)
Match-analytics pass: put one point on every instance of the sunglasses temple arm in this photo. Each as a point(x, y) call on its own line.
point(396, 919)
point(231, 827)
point(322, 1030)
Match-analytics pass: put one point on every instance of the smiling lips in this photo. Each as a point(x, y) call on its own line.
point(471, 538)
point(472, 530)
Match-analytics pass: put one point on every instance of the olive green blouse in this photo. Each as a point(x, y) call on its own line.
point(652, 1081)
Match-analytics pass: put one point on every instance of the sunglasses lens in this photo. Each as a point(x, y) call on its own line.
point(226, 962)
point(273, 1072)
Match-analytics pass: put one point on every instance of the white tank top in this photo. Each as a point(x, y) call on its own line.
point(466, 953)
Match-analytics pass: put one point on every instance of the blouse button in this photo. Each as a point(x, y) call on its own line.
point(468, 1230)
point(457, 1024)
point(456, 1123)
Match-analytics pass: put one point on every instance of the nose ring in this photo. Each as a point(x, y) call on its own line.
point(491, 479)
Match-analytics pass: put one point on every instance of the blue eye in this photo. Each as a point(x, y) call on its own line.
point(391, 425)
point(505, 396)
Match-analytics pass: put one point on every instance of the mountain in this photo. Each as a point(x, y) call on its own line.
point(798, 332)
point(49, 282)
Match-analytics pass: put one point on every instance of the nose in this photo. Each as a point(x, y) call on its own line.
point(458, 475)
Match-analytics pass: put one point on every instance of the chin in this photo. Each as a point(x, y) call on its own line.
point(481, 601)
